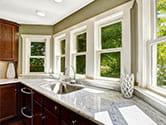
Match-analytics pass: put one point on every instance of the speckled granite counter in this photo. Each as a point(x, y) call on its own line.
point(100, 105)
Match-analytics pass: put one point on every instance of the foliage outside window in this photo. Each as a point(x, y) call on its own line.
point(161, 46)
point(81, 53)
point(37, 57)
point(110, 55)
point(62, 55)
point(62, 64)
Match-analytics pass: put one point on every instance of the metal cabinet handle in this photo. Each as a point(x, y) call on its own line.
point(55, 107)
point(74, 122)
point(43, 117)
point(23, 90)
point(25, 115)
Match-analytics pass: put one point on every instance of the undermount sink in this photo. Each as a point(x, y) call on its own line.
point(62, 87)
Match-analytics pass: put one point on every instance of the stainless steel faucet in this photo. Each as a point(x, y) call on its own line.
point(74, 77)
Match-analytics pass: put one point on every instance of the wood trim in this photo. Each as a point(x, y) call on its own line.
point(8, 22)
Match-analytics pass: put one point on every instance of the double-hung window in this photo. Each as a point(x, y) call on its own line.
point(158, 45)
point(36, 54)
point(79, 52)
point(60, 54)
point(109, 50)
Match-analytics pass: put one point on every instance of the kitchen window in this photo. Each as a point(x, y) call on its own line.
point(152, 45)
point(79, 53)
point(36, 54)
point(109, 51)
point(99, 48)
point(158, 45)
point(60, 54)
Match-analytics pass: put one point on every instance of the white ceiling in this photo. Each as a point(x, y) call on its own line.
point(23, 11)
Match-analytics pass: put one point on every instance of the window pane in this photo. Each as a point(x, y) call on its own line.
point(63, 47)
point(110, 65)
point(111, 36)
point(161, 18)
point(36, 65)
point(37, 49)
point(81, 42)
point(161, 64)
point(62, 64)
point(80, 64)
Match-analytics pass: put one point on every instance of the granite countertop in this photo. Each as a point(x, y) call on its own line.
point(102, 106)
point(8, 81)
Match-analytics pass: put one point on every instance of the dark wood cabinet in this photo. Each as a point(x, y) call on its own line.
point(8, 41)
point(68, 117)
point(8, 102)
point(17, 100)
point(38, 113)
point(50, 118)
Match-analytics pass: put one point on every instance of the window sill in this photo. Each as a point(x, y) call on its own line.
point(156, 100)
point(101, 83)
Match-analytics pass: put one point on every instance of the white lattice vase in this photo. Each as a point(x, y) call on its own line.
point(11, 71)
point(127, 85)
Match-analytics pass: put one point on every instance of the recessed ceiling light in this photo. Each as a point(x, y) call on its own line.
point(58, 1)
point(40, 13)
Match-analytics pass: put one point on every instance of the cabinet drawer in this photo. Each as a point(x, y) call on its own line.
point(51, 106)
point(38, 97)
point(70, 117)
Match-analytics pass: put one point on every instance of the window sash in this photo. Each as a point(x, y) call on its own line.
point(74, 55)
point(153, 59)
point(99, 52)
point(152, 47)
point(100, 33)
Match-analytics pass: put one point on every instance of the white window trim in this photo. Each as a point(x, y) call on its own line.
point(27, 39)
point(73, 34)
point(57, 54)
point(147, 38)
point(124, 12)
point(99, 50)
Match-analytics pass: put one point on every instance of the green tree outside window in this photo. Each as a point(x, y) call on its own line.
point(81, 64)
point(63, 47)
point(110, 65)
point(81, 42)
point(36, 65)
point(37, 49)
point(62, 64)
point(161, 48)
point(111, 37)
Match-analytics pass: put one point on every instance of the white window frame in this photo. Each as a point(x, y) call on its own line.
point(26, 50)
point(122, 12)
point(122, 16)
point(74, 33)
point(57, 53)
point(147, 40)
point(99, 49)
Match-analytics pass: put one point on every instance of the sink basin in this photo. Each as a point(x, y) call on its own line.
point(62, 88)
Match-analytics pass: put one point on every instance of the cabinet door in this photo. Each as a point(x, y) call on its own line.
point(8, 100)
point(50, 118)
point(8, 42)
point(37, 112)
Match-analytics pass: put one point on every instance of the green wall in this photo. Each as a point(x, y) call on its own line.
point(91, 10)
point(36, 29)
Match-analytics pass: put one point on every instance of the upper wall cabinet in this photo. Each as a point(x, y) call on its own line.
point(8, 41)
